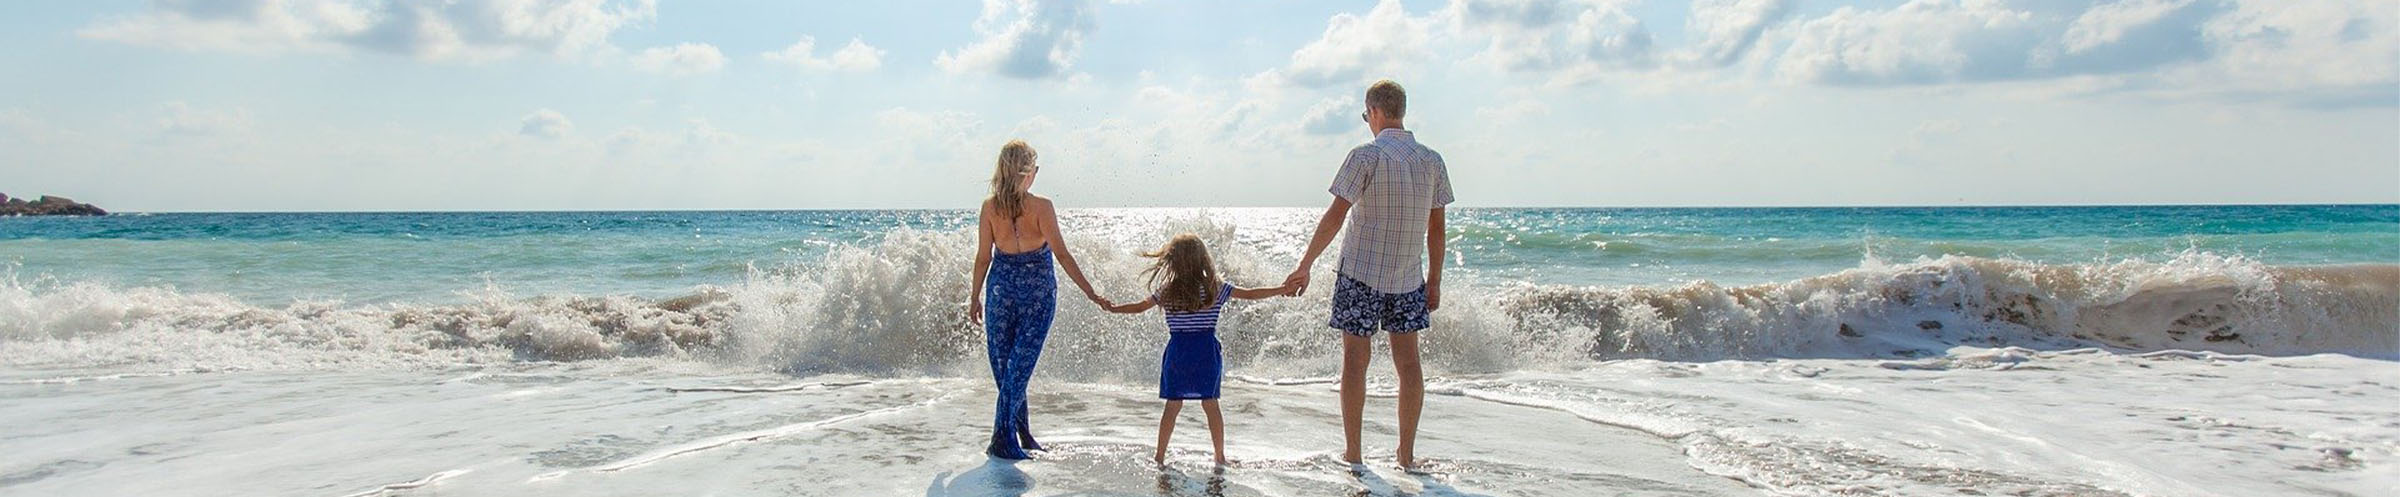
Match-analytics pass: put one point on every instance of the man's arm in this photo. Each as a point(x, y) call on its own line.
point(1435, 241)
point(1327, 226)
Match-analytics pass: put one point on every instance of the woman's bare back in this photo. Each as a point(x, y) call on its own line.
point(1020, 235)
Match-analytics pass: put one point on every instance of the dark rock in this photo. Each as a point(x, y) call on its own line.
point(1846, 331)
point(1929, 325)
point(48, 205)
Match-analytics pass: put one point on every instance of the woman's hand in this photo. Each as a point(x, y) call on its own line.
point(975, 311)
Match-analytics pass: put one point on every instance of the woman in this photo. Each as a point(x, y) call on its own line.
point(1017, 234)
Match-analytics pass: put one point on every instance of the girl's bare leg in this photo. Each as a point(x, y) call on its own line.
point(1216, 428)
point(1166, 429)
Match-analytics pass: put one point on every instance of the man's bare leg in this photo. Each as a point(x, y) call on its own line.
point(1412, 394)
point(1357, 352)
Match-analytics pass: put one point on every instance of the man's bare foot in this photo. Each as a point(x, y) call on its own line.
point(1159, 457)
point(1222, 462)
point(1350, 457)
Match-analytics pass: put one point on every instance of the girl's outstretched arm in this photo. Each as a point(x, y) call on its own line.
point(1261, 293)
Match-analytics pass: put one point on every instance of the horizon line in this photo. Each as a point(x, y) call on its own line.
point(1528, 207)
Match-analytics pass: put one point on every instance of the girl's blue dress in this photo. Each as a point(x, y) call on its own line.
point(1193, 367)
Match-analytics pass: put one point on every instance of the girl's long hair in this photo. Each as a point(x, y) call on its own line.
point(1184, 276)
point(1008, 174)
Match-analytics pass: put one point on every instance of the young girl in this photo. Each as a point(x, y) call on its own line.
point(1190, 293)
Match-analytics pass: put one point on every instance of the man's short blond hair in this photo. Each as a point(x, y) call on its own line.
point(1387, 96)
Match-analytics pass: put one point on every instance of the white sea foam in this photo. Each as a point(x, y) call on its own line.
point(897, 308)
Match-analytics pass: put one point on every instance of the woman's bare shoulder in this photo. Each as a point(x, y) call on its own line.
point(1041, 204)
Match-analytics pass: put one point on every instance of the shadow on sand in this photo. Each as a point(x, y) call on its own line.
point(996, 478)
point(1376, 486)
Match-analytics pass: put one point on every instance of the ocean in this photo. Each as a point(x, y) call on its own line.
point(2134, 351)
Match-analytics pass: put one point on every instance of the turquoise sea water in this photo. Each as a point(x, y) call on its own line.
point(271, 258)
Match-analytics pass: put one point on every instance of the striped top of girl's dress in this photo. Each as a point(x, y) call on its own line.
point(1200, 321)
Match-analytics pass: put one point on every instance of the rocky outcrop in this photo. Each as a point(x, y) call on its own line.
point(48, 205)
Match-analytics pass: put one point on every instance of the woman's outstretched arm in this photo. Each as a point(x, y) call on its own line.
point(1130, 308)
point(1066, 259)
point(983, 262)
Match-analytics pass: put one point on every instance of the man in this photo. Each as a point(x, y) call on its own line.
point(1392, 191)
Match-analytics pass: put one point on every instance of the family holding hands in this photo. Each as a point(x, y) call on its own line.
point(1390, 194)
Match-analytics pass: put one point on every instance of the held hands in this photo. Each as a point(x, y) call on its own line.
point(1288, 290)
point(1297, 283)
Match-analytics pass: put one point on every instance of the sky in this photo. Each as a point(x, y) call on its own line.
point(346, 105)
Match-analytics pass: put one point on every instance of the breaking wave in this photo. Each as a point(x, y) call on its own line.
point(897, 307)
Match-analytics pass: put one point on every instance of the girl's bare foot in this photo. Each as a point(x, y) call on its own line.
point(1159, 457)
point(1221, 462)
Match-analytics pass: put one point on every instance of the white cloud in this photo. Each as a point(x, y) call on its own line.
point(682, 59)
point(2321, 53)
point(1727, 29)
point(17, 122)
point(698, 140)
point(2105, 24)
point(1931, 143)
point(1922, 41)
point(1539, 36)
point(545, 123)
point(2318, 53)
point(1512, 113)
point(1354, 49)
point(182, 119)
point(701, 135)
point(1610, 38)
point(924, 137)
point(857, 56)
point(460, 29)
point(1027, 39)
point(1333, 116)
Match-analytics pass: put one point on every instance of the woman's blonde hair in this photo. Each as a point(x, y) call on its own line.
point(1184, 276)
point(1008, 174)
